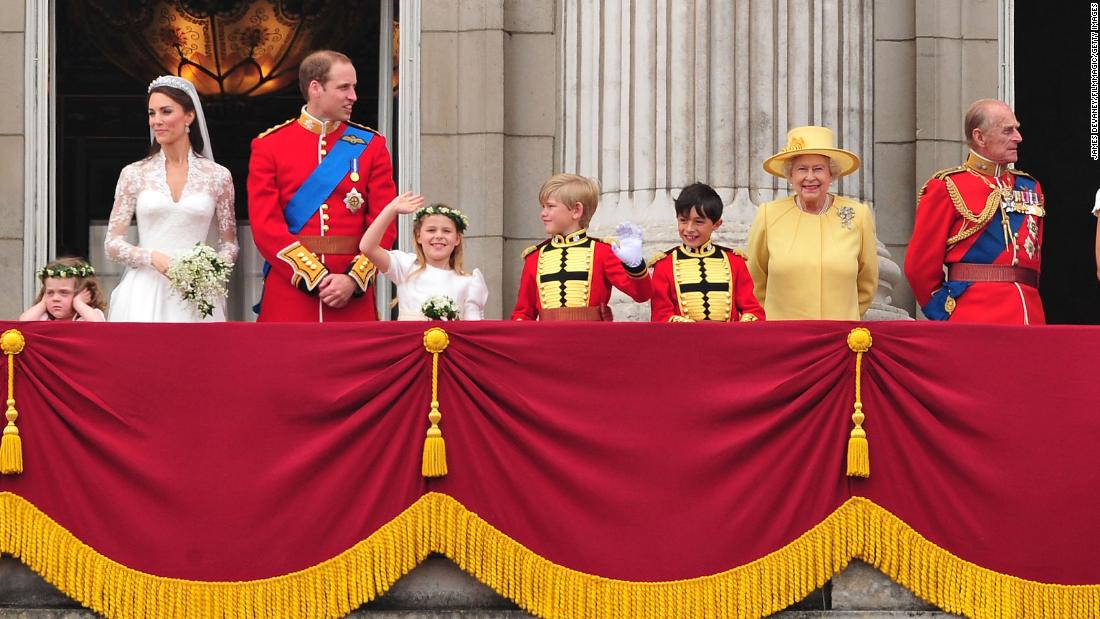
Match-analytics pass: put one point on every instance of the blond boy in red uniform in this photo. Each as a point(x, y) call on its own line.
point(569, 276)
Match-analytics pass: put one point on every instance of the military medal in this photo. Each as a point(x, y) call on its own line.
point(1032, 235)
point(354, 171)
point(353, 200)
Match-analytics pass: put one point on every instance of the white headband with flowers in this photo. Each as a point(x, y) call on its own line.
point(62, 272)
point(461, 221)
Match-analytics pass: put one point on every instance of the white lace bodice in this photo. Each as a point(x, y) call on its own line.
point(165, 225)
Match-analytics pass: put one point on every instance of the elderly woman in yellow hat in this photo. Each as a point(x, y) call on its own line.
point(812, 255)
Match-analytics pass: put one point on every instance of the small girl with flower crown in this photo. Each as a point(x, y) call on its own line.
point(69, 291)
point(430, 283)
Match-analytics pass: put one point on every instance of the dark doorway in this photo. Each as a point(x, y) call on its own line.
point(1052, 73)
point(101, 120)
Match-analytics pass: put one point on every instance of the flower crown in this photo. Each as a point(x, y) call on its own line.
point(461, 221)
point(62, 272)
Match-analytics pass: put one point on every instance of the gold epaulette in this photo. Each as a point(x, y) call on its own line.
point(657, 257)
point(278, 126)
point(1022, 173)
point(939, 175)
point(530, 250)
point(371, 129)
point(944, 173)
point(735, 251)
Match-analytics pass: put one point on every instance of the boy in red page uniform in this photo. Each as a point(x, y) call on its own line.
point(569, 276)
point(699, 280)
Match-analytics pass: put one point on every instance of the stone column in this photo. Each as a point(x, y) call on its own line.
point(13, 164)
point(462, 124)
point(657, 94)
point(530, 110)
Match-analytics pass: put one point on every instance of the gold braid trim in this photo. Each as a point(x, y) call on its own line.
point(992, 203)
point(858, 529)
point(276, 127)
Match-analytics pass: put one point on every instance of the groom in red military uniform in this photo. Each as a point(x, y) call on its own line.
point(314, 185)
point(984, 221)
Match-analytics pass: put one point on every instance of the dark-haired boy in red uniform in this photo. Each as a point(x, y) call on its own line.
point(699, 280)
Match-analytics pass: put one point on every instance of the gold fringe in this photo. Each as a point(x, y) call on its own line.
point(435, 450)
point(859, 456)
point(438, 523)
point(332, 588)
point(11, 446)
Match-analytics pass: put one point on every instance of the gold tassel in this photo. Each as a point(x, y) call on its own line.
point(859, 460)
point(859, 457)
point(11, 446)
point(435, 450)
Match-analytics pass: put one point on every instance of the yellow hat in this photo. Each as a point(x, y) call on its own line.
point(811, 140)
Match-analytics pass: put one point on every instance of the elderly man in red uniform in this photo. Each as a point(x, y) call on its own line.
point(984, 221)
point(314, 185)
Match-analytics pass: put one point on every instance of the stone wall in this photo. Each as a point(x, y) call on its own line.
point(12, 26)
point(932, 59)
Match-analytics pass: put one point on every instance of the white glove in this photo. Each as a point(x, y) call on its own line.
point(629, 246)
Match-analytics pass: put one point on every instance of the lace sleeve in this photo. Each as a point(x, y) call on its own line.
point(227, 218)
point(118, 249)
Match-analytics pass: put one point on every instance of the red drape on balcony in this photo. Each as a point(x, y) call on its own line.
point(632, 452)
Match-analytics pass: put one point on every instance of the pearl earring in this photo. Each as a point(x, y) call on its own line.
point(188, 128)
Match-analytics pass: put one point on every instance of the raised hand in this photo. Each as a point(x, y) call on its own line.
point(629, 246)
point(407, 203)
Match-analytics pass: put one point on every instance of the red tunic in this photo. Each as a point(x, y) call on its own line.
point(727, 296)
point(939, 218)
point(282, 159)
point(583, 283)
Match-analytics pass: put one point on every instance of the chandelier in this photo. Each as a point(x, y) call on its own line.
point(227, 48)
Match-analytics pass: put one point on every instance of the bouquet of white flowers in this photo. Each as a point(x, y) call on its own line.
point(200, 277)
point(440, 308)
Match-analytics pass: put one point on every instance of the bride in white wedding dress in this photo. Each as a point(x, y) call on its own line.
point(175, 194)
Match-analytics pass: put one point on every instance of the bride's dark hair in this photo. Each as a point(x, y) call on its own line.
point(184, 100)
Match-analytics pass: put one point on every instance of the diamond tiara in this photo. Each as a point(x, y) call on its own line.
point(172, 81)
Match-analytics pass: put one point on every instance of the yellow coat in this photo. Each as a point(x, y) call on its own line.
point(814, 267)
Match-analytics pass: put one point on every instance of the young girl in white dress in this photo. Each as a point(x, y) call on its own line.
point(175, 193)
point(69, 291)
point(436, 267)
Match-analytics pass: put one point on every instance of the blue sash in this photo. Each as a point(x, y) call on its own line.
point(320, 185)
point(989, 244)
point(326, 176)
